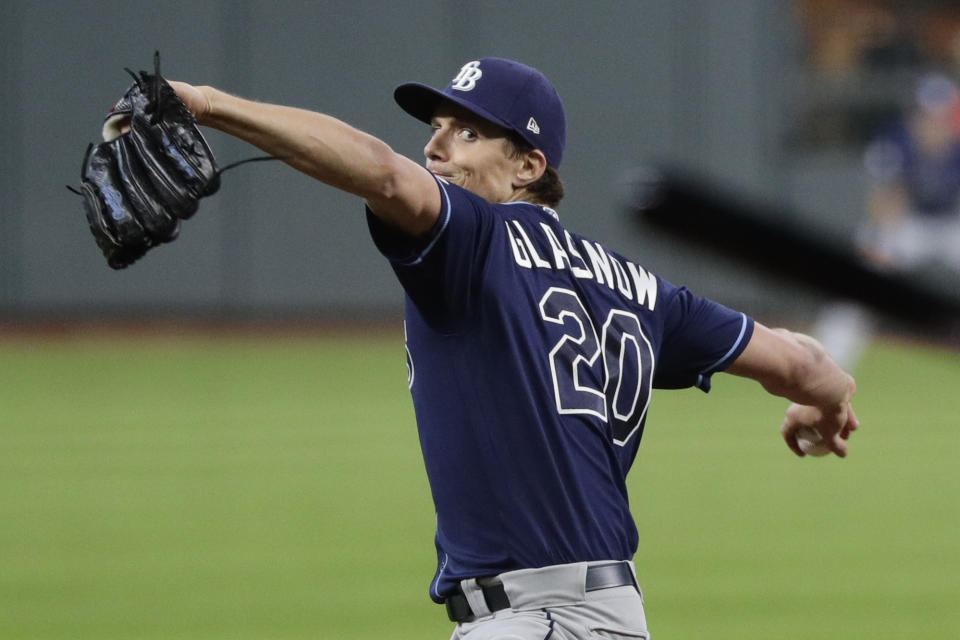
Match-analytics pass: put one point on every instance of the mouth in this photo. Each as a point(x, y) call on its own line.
point(446, 175)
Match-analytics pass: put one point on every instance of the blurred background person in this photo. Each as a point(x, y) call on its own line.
point(913, 202)
point(912, 205)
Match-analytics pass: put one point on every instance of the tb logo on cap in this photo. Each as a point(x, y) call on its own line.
point(468, 76)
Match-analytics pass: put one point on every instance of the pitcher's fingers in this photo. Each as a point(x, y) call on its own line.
point(838, 446)
point(852, 423)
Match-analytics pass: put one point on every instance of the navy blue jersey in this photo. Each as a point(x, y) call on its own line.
point(532, 356)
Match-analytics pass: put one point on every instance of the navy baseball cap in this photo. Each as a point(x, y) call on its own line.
point(507, 93)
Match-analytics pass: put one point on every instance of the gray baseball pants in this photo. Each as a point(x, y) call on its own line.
point(552, 603)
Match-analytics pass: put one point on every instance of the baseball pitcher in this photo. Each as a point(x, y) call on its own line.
point(532, 350)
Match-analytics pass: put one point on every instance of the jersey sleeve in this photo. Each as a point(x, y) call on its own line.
point(439, 270)
point(700, 338)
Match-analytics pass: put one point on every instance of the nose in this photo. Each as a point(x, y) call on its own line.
point(436, 148)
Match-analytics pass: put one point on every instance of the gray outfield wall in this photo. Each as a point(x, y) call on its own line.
point(692, 82)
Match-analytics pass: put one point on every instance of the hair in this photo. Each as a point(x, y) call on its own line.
point(548, 189)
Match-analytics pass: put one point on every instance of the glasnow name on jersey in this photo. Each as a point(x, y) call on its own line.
point(631, 281)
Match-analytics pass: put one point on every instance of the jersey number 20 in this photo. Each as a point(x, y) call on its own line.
point(606, 374)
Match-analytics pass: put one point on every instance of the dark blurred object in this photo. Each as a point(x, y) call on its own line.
point(697, 211)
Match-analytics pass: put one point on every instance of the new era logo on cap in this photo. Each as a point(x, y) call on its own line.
point(509, 94)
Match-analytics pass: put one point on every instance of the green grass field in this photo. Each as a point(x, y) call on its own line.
point(272, 488)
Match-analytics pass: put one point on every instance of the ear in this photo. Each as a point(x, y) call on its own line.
point(531, 167)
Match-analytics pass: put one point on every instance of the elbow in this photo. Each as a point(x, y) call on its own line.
point(390, 181)
point(381, 181)
point(402, 193)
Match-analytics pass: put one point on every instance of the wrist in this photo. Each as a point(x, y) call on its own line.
point(204, 105)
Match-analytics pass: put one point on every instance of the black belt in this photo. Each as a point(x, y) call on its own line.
point(599, 576)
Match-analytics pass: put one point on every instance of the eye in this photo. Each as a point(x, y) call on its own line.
point(467, 134)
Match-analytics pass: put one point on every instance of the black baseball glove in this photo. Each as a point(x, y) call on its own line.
point(149, 173)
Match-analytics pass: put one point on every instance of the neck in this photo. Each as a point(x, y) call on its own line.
point(522, 195)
